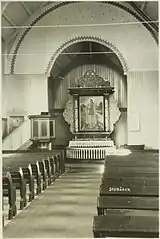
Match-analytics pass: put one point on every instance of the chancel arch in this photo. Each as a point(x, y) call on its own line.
point(100, 60)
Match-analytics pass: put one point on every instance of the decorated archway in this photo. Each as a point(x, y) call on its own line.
point(82, 39)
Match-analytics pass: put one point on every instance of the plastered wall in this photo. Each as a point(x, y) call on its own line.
point(24, 94)
point(143, 108)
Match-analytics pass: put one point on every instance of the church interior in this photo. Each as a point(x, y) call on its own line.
point(80, 152)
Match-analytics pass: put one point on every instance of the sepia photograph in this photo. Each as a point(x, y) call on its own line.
point(79, 119)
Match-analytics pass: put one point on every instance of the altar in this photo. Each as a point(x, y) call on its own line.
point(91, 113)
point(88, 149)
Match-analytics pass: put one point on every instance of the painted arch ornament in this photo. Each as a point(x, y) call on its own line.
point(68, 114)
point(53, 7)
point(82, 39)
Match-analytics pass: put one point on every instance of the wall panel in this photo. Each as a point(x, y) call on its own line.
point(143, 108)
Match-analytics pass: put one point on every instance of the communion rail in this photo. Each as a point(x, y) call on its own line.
point(93, 150)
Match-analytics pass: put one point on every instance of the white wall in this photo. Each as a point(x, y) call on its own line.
point(26, 94)
point(143, 109)
point(133, 40)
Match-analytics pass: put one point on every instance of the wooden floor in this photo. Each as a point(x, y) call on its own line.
point(64, 210)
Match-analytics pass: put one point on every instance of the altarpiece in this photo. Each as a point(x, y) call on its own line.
point(91, 112)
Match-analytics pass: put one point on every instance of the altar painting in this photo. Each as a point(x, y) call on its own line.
point(91, 113)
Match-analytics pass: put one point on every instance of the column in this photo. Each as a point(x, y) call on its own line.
point(107, 113)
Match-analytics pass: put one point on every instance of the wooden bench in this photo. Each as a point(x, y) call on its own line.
point(38, 169)
point(61, 163)
point(37, 174)
point(53, 168)
point(43, 173)
point(117, 189)
point(132, 163)
point(49, 170)
point(57, 166)
point(104, 203)
point(27, 172)
point(130, 225)
point(129, 180)
point(128, 201)
point(131, 169)
point(20, 184)
point(146, 155)
point(9, 191)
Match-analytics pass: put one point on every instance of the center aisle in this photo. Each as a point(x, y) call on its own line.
point(64, 210)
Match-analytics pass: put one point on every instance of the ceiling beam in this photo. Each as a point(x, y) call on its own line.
point(68, 53)
point(4, 6)
point(8, 19)
point(143, 6)
point(41, 5)
point(18, 30)
point(58, 65)
point(27, 10)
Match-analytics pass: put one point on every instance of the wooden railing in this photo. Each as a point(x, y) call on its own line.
point(86, 153)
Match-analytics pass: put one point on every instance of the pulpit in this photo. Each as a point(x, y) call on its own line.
point(42, 130)
point(91, 112)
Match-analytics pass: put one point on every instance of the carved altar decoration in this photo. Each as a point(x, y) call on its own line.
point(68, 114)
point(91, 113)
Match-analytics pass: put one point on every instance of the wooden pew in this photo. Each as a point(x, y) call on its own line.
point(9, 191)
point(128, 201)
point(129, 180)
point(20, 184)
point(117, 188)
point(49, 170)
point(37, 174)
point(131, 169)
point(53, 169)
point(27, 172)
point(105, 203)
point(121, 225)
point(56, 166)
point(43, 173)
point(61, 163)
point(24, 162)
point(137, 155)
